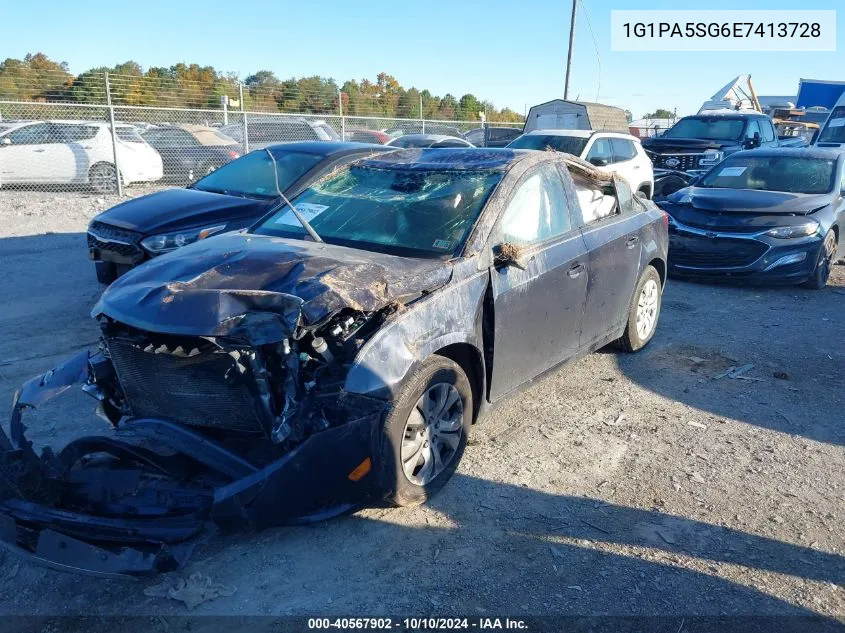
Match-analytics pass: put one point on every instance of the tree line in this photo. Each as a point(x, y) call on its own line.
point(38, 78)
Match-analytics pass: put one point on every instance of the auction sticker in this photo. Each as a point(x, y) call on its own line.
point(732, 172)
point(306, 210)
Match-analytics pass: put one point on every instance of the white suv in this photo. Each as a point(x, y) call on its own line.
point(609, 151)
point(74, 152)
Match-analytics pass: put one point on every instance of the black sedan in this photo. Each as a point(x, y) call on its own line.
point(767, 215)
point(229, 198)
point(191, 151)
point(335, 354)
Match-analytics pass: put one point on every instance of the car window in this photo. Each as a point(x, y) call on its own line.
point(538, 210)
point(716, 128)
point(76, 133)
point(623, 149)
point(128, 134)
point(834, 128)
point(252, 175)
point(601, 150)
point(170, 138)
point(37, 134)
point(751, 129)
point(624, 195)
point(450, 143)
point(787, 173)
point(569, 144)
point(767, 130)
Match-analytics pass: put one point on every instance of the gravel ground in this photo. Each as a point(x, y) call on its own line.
point(620, 484)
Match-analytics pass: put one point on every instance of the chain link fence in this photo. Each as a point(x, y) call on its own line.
point(111, 143)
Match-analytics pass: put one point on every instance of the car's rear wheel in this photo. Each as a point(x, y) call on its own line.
point(425, 433)
point(103, 178)
point(827, 253)
point(643, 313)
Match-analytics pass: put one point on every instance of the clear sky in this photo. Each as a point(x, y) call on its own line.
point(513, 53)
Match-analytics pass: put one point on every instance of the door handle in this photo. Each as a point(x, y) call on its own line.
point(38, 150)
point(576, 269)
point(632, 242)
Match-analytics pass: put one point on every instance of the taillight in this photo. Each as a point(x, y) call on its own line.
point(665, 220)
point(233, 154)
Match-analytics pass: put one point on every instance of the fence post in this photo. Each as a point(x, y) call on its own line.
point(342, 118)
point(422, 116)
point(243, 115)
point(113, 137)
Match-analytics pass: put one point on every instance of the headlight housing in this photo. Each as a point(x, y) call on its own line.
point(711, 157)
point(790, 232)
point(165, 242)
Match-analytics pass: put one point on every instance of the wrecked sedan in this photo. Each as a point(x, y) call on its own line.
point(766, 215)
point(232, 197)
point(333, 355)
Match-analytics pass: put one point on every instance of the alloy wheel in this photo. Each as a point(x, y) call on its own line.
point(432, 433)
point(647, 309)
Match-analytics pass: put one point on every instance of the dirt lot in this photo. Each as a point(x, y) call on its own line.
point(621, 484)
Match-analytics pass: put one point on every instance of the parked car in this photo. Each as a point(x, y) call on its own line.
point(74, 152)
point(427, 127)
point(280, 129)
point(275, 377)
point(832, 134)
point(367, 136)
point(609, 151)
point(492, 136)
point(231, 197)
point(696, 143)
point(428, 140)
point(765, 215)
point(191, 151)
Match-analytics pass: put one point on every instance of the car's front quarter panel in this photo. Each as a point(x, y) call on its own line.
point(450, 315)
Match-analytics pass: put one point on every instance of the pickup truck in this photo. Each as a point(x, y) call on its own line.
point(696, 143)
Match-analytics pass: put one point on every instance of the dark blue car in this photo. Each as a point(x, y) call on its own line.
point(191, 151)
point(229, 198)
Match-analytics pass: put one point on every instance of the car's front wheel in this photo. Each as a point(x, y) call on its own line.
point(425, 432)
point(827, 253)
point(643, 313)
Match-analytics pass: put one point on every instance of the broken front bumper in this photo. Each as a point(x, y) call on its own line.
point(134, 502)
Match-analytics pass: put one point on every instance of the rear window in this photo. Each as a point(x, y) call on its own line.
point(129, 135)
point(834, 129)
point(569, 144)
point(75, 133)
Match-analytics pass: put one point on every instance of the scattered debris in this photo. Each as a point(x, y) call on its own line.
point(193, 591)
point(697, 477)
point(734, 372)
point(575, 587)
point(781, 375)
point(697, 425)
point(619, 419)
point(697, 360)
point(556, 552)
point(777, 519)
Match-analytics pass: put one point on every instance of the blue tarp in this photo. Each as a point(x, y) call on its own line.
point(819, 93)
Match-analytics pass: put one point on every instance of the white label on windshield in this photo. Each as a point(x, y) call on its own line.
point(306, 210)
point(732, 172)
point(836, 123)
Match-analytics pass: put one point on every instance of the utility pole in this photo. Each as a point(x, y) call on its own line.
point(571, 45)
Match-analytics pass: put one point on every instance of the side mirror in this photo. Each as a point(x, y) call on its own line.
point(599, 162)
point(509, 254)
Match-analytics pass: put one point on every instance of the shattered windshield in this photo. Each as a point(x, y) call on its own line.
point(710, 128)
point(570, 144)
point(400, 211)
point(790, 174)
point(252, 175)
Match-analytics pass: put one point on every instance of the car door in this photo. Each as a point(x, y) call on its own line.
point(37, 154)
point(750, 130)
point(537, 311)
point(600, 153)
point(73, 156)
point(768, 135)
point(613, 245)
point(624, 163)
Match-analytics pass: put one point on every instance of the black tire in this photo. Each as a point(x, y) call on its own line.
point(631, 340)
point(821, 272)
point(103, 178)
point(431, 375)
point(106, 272)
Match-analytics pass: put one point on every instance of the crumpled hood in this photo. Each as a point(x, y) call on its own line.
point(175, 209)
point(208, 288)
point(752, 201)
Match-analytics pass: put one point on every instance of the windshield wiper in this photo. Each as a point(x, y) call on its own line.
point(298, 215)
